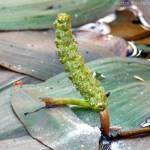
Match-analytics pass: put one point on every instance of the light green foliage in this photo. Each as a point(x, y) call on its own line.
point(79, 74)
point(40, 14)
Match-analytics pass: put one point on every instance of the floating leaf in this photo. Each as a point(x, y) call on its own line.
point(56, 128)
point(7, 78)
point(34, 53)
point(40, 14)
point(12, 134)
point(128, 103)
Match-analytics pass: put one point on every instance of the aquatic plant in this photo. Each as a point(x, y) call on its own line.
point(80, 75)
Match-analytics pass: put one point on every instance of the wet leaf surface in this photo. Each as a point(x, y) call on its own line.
point(134, 144)
point(128, 102)
point(30, 14)
point(33, 53)
point(8, 78)
point(12, 134)
point(56, 128)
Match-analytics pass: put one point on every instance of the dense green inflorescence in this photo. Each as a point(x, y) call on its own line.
point(79, 74)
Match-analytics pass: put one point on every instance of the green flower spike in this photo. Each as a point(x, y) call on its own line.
point(80, 75)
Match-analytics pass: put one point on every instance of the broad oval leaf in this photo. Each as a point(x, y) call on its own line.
point(126, 79)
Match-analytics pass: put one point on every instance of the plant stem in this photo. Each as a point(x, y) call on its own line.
point(66, 101)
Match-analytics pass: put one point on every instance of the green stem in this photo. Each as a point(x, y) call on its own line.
point(66, 101)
